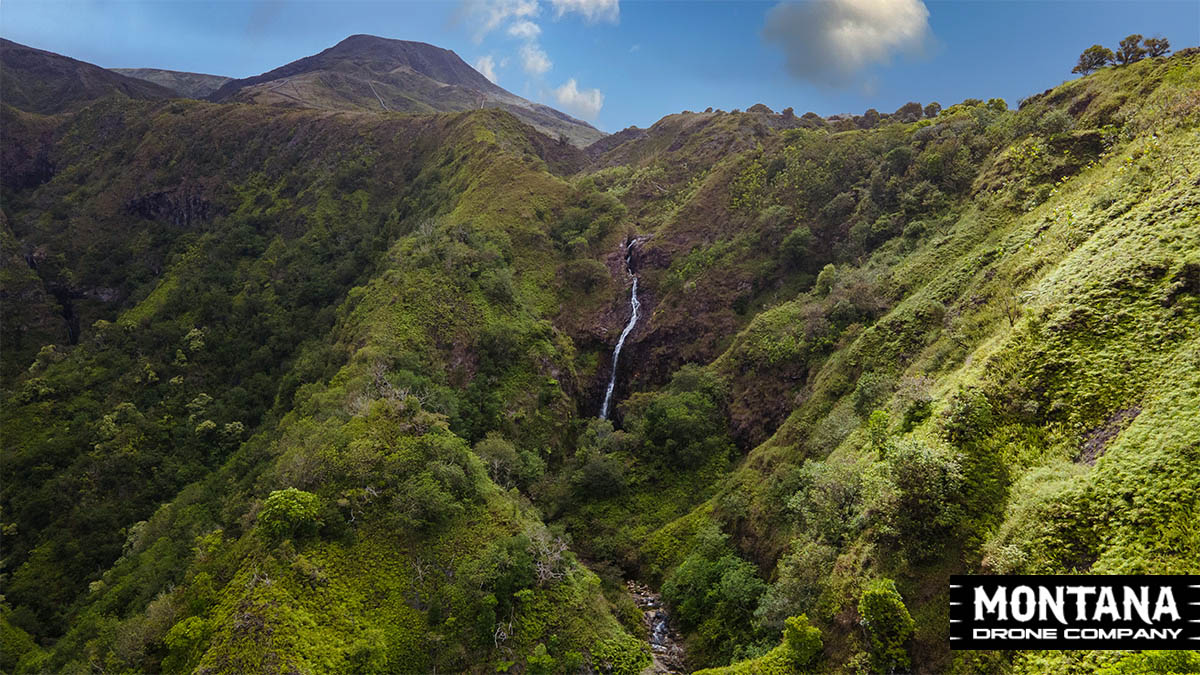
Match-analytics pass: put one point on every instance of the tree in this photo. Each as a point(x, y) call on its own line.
point(1093, 58)
point(909, 112)
point(1156, 47)
point(1131, 49)
point(869, 119)
point(933, 109)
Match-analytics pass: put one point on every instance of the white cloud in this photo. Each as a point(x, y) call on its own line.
point(534, 60)
point(592, 10)
point(487, 66)
point(583, 103)
point(525, 29)
point(830, 41)
point(487, 15)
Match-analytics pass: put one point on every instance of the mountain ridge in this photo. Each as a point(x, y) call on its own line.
point(44, 82)
point(187, 84)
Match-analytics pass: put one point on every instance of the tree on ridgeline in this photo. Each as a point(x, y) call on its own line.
point(1156, 46)
point(909, 112)
point(1131, 50)
point(1092, 59)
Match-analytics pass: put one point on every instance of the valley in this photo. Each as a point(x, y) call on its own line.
point(419, 376)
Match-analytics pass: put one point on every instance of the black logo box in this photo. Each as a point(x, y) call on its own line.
point(968, 631)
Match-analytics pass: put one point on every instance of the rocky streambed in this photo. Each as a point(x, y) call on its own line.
point(665, 643)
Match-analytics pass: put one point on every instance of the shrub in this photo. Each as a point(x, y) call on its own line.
point(369, 654)
point(825, 279)
point(801, 640)
point(918, 500)
point(290, 512)
point(888, 625)
point(1056, 121)
point(185, 642)
point(1154, 662)
point(423, 503)
point(539, 662)
point(684, 428)
point(967, 416)
point(599, 475)
point(714, 594)
point(585, 275)
point(871, 390)
point(794, 248)
point(507, 465)
point(801, 579)
point(829, 500)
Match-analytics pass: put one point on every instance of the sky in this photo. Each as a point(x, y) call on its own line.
point(620, 63)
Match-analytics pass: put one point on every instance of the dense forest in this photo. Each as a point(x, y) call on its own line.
point(298, 390)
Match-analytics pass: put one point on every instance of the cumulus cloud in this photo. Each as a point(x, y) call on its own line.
point(585, 103)
point(592, 10)
point(487, 15)
point(534, 59)
point(525, 29)
point(487, 66)
point(828, 42)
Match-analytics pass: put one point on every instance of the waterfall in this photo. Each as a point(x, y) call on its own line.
point(635, 304)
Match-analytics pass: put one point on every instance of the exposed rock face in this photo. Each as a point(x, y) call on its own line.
point(181, 208)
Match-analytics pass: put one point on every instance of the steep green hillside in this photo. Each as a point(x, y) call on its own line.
point(395, 245)
point(289, 390)
point(962, 344)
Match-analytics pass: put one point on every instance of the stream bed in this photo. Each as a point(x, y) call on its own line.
point(665, 642)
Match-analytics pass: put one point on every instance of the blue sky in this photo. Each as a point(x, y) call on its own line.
point(620, 63)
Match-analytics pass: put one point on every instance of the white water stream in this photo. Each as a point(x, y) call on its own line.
point(636, 305)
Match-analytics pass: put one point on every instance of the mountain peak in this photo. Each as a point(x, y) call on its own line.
point(372, 73)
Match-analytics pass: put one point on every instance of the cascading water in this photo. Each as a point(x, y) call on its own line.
point(636, 305)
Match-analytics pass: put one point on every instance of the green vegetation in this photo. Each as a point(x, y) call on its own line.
point(1132, 48)
point(310, 391)
point(888, 625)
